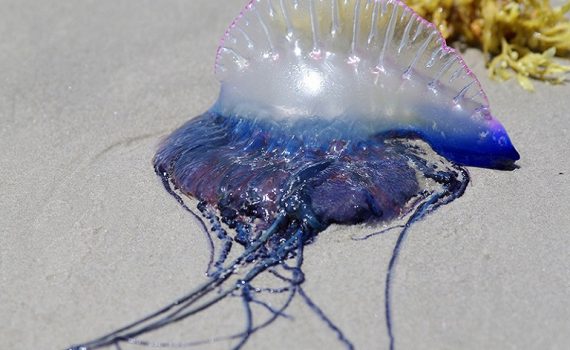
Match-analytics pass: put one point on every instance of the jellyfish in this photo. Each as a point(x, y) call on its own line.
point(329, 112)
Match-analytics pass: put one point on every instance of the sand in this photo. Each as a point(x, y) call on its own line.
point(91, 241)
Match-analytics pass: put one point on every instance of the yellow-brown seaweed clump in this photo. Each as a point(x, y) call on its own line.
point(517, 36)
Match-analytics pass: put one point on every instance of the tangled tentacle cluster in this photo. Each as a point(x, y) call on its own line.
point(266, 201)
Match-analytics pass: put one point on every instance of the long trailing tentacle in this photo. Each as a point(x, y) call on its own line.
point(340, 335)
point(260, 267)
point(181, 308)
point(222, 235)
point(276, 313)
point(312, 305)
point(246, 299)
point(453, 188)
point(165, 179)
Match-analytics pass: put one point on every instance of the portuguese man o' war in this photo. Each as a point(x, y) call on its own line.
point(330, 112)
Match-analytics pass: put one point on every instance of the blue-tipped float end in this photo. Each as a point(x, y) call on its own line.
point(491, 148)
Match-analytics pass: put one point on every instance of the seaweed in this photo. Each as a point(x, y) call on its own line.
point(518, 37)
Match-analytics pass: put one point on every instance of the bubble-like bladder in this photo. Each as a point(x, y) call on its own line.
point(330, 112)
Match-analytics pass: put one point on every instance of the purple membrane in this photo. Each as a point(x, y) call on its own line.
point(330, 112)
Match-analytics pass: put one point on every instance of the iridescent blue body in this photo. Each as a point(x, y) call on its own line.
point(254, 168)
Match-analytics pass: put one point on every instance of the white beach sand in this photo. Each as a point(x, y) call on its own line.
point(90, 240)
